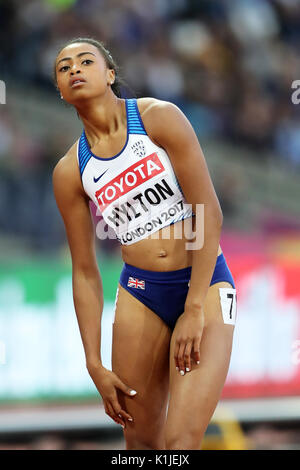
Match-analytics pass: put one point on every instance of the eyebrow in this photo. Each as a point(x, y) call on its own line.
point(78, 55)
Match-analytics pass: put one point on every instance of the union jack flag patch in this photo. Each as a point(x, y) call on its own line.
point(137, 283)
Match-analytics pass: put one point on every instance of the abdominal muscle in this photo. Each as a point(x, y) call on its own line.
point(163, 251)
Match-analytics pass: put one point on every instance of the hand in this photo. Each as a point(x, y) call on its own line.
point(107, 382)
point(189, 328)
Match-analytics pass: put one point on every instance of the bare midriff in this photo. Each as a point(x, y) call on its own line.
point(165, 252)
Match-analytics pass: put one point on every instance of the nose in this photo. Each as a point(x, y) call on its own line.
point(73, 70)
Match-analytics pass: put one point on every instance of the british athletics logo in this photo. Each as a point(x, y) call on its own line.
point(129, 179)
point(136, 283)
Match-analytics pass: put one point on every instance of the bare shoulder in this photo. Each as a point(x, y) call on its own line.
point(151, 108)
point(67, 163)
point(66, 180)
point(163, 120)
point(66, 172)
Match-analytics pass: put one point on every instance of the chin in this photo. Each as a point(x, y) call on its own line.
point(80, 95)
point(85, 95)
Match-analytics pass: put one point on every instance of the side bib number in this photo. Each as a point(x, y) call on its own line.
point(228, 304)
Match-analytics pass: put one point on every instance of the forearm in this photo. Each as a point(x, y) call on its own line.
point(204, 259)
point(88, 303)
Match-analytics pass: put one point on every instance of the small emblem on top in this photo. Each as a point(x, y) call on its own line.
point(139, 148)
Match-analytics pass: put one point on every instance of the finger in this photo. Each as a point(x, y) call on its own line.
point(109, 411)
point(122, 414)
point(176, 352)
point(129, 391)
point(115, 416)
point(106, 410)
point(121, 386)
point(196, 350)
point(187, 355)
point(181, 358)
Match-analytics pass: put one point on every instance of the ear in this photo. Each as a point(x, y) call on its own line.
point(111, 76)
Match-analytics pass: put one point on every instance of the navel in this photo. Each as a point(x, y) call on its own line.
point(162, 253)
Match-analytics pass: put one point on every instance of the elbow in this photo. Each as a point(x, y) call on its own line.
point(220, 218)
point(218, 214)
point(216, 217)
point(85, 271)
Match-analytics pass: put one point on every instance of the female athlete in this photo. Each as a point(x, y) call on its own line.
point(141, 163)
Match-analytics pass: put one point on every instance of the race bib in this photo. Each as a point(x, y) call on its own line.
point(228, 304)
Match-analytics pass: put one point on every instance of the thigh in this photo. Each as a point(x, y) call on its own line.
point(140, 357)
point(194, 396)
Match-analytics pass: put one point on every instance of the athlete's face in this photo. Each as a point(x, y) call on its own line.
point(82, 73)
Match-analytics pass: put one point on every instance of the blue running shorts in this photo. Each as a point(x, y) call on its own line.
point(165, 292)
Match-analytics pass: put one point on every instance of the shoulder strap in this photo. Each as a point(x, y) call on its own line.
point(84, 153)
point(134, 122)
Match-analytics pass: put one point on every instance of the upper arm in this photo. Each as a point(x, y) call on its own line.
point(73, 205)
point(171, 130)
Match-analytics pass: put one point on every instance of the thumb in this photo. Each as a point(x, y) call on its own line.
point(129, 391)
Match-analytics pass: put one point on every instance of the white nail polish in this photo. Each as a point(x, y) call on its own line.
point(198, 362)
point(132, 392)
point(182, 372)
point(187, 369)
point(130, 419)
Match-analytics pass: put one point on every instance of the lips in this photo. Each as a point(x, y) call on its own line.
point(75, 82)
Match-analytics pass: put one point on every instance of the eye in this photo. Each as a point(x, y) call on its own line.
point(87, 61)
point(64, 68)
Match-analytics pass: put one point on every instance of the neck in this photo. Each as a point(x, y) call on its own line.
point(101, 117)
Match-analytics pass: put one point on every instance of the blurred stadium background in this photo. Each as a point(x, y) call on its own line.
point(230, 66)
